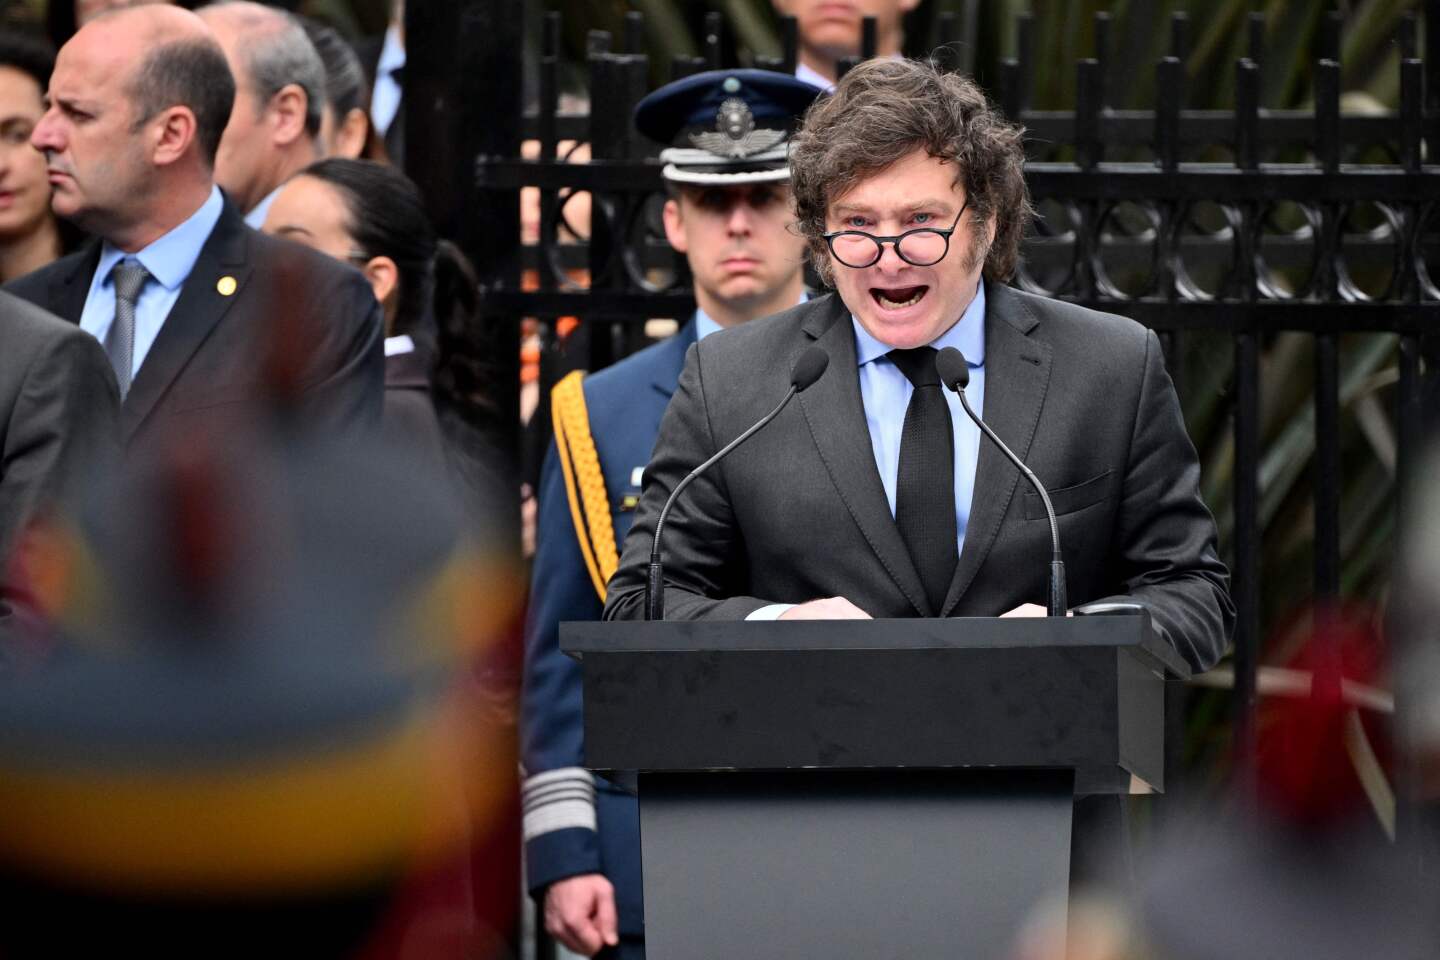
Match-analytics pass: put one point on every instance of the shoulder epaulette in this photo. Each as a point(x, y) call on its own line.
point(584, 481)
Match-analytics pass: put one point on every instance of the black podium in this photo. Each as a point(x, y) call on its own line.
point(886, 788)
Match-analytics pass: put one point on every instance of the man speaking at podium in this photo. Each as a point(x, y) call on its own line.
point(874, 494)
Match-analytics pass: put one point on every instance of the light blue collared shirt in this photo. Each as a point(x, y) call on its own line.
point(255, 219)
point(886, 394)
point(169, 260)
point(705, 324)
point(385, 100)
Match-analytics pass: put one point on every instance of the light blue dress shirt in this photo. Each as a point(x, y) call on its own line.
point(255, 219)
point(169, 260)
point(705, 324)
point(385, 100)
point(886, 394)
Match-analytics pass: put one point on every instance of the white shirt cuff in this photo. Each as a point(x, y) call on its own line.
point(772, 612)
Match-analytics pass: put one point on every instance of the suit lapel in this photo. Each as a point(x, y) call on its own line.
point(199, 308)
point(1017, 374)
point(836, 417)
point(666, 375)
point(69, 290)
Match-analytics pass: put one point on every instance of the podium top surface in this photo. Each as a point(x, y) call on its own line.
point(1134, 632)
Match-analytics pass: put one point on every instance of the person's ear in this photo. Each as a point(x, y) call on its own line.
point(174, 131)
point(287, 114)
point(352, 134)
point(384, 277)
point(674, 219)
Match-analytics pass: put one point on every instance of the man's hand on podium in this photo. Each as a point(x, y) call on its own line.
point(830, 608)
point(580, 913)
point(1031, 610)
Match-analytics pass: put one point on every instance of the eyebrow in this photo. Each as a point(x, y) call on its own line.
point(290, 228)
point(69, 103)
point(842, 209)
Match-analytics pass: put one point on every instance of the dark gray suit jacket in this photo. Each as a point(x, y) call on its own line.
point(294, 317)
point(59, 415)
point(799, 512)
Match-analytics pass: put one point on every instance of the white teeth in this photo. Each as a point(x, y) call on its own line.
point(896, 304)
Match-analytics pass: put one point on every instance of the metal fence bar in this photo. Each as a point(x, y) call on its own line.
point(1327, 346)
point(1245, 572)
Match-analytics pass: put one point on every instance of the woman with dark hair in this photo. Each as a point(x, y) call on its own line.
point(345, 128)
point(371, 215)
point(30, 235)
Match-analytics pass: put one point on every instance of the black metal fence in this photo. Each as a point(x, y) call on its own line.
point(1236, 224)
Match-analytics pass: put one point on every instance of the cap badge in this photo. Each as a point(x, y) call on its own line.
point(735, 134)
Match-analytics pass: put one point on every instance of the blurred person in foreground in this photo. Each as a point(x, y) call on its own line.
point(910, 191)
point(59, 424)
point(831, 30)
point(258, 723)
point(345, 122)
point(372, 216)
point(274, 128)
point(188, 302)
point(730, 213)
point(30, 234)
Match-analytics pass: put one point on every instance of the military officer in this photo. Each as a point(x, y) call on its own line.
point(730, 213)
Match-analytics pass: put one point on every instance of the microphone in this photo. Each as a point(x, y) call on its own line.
point(955, 373)
point(808, 368)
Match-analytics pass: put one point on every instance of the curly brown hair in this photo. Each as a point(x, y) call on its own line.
point(885, 109)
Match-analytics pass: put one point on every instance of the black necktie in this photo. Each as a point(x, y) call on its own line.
point(925, 486)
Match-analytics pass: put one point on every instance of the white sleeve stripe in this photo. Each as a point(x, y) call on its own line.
point(556, 795)
point(559, 799)
point(559, 774)
point(559, 815)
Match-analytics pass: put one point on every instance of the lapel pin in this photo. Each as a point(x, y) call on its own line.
point(226, 286)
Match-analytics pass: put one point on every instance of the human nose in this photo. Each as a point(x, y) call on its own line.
point(46, 135)
point(890, 260)
point(737, 221)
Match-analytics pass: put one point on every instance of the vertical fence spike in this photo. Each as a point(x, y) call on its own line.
point(712, 41)
point(1327, 114)
point(634, 32)
point(1180, 35)
point(597, 43)
point(1255, 39)
point(1412, 119)
point(1247, 114)
point(1088, 135)
point(790, 43)
point(869, 37)
point(1405, 37)
point(1025, 54)
point(1432, 54)
point(1008, 88)
point(1169, 101)
point(946, 32)
point(1103, 53)
point(1330, 29)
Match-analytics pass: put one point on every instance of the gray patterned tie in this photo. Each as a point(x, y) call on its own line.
point(129, 277)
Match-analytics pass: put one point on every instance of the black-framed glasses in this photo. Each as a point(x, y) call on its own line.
point(922, 247)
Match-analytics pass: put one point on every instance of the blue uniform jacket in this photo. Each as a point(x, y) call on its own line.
point(625, 403)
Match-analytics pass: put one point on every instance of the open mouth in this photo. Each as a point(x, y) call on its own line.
point(898, 298)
